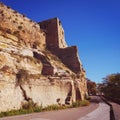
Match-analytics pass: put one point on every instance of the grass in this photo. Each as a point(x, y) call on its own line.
point(54, 107)
point(80, 103)
point(20, 111)
point(32, 108)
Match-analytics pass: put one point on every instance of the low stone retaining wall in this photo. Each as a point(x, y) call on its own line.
point(112, 112)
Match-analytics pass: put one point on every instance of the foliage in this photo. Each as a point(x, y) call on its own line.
point(91, 86)
point(21, 111)
point(76, 104)
point(111, 87)
point(31, 107)
point(85, 103)
point(54, 107)
point(28, 105)
point(80, 103)
point(19, 27)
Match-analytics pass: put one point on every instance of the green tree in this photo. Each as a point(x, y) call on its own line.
point(91, 86)
point(111, 87)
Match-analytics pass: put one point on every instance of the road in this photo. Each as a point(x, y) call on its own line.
point(95, 111)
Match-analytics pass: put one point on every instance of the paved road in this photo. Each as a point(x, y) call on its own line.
point(94, 111)
point(101, 113)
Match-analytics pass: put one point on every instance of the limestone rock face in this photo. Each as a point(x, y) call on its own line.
point(47, 67)
point(10, 95)
point(36, 64)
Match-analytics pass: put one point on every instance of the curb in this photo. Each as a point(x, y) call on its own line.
point(112, 116)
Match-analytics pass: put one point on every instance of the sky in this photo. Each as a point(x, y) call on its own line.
point(92, 25)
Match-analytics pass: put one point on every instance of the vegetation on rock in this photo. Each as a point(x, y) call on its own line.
point(91, 86)
point(31, 107)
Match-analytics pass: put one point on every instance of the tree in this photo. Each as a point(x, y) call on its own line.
point(91, 86)
point(111, 87)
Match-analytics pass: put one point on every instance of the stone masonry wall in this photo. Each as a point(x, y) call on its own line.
point(55, 42)
point(54, 33)
point(61, 35)
point(69, 57)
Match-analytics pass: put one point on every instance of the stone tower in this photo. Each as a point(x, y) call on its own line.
point(55, 42)
point(54, 33)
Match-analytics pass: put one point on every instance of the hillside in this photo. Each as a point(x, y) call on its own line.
point(36, 64)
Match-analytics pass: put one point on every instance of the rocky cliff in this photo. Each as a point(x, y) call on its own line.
point(36, 64)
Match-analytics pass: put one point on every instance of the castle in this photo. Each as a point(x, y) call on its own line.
point(36, 63)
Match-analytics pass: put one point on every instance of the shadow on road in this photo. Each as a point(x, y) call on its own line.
point(96, 99)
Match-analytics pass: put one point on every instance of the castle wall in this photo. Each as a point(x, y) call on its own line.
point(61, 36)
point(56, 43)
point(50, 28)
point(69, 57)
point(54, 33)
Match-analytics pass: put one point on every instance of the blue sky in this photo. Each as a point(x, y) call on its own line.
point(92, 25)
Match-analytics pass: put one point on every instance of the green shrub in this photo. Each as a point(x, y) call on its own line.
point(13, 112)
point(19, 27)
point(76, 104)
point(38, 109)
point(80, 103)
point(51, 107)
point(54, 107)
point(84, 103)
point(31, 107)
point(21, 111)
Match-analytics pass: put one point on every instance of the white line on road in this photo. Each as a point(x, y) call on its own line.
point(101, 113)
